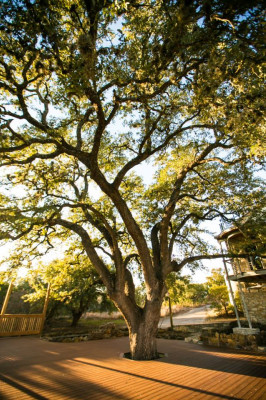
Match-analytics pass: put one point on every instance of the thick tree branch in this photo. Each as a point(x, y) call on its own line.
point(146, 154)
point(169, 209)
point(176, 266)
point(30, 159)
point(89, 248)
point(111, 237)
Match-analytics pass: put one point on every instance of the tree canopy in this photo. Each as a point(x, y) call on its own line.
point(182, 291)
point(218, 295)
point(92, 89)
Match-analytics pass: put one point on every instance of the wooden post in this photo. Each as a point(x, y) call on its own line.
point(45, 306)
point(230, 288)
point(170, 313)
point(8, 293)
point(244, 304)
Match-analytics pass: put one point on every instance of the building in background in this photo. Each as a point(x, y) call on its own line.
point(248, 270)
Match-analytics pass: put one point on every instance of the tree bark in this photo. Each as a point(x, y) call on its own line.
point(75, 318)
point(142, 333)
point(226, 311)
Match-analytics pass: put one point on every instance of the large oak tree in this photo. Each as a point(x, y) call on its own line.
point(92, 89)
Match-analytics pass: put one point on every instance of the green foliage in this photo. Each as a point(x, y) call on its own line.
point(217, 291)
point(178, 288)
point(3, 290)
point(75, 288)
point(140, 294)
point(182, 291)
point(16, 302)
point(198, 293)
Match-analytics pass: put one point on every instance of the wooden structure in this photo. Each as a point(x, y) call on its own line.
point(248, 271)
point(35, 369)
point(22, 324)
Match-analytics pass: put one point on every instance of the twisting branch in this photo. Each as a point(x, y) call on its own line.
point(156, 247)
point(33, 157)
point(111, 238)
point(7, 235)
point(96, 103)
point(89, 248)
point(169, 209)
point(221, 161)
point(146, 154)
point(45, 102)
point(177, 266)
point(129, 258)
point(177, 230)
point(26, 143)
point(80, 125)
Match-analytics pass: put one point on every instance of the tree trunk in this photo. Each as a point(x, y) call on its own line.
point(142, 335)
point(142, 322)
point(226, 311)
point(75, 318)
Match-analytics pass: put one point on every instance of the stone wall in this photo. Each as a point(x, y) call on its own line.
point(216, 334)
point(256, 304)
point(234, 341)
point(106, 331)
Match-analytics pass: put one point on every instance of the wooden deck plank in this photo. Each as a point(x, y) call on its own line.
point(35, 369)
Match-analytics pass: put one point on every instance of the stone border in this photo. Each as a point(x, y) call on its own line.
point(217, 334)
point(104, 332)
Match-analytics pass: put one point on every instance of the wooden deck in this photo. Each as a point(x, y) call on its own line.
point(31, 368)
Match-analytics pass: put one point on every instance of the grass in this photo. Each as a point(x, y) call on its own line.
point(61, 326)
point(102, 321)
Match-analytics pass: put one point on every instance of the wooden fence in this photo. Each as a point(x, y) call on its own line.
point(21, 324)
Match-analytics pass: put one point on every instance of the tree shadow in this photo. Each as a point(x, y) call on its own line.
point(20, 387)
point(215, 359)
point(163, 382)
point(63, 386)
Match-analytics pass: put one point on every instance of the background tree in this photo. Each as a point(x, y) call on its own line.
point(16, 303)
point(253, 237)
point(198, 293)
point(91, 90)
point(177, 288)
point(3, 291)
point(182, 291)
point(75, 288)
point(218, 295)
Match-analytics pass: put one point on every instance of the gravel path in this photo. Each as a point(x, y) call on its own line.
point(197, 315)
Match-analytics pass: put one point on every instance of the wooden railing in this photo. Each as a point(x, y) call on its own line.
point(21, 324)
